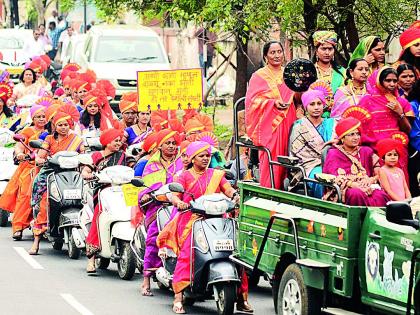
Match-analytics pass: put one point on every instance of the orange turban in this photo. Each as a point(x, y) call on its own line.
point(410, 37)
point(109, 135)
point(193, 125)
point(60, 117)
point(149, 142)
point(165, 134)
point(127, 105)
point(346, 126)
point(183, 146)
point(387, 145)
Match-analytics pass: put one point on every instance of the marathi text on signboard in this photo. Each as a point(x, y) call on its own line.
point(171, 89)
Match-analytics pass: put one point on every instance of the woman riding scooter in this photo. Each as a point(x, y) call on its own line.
point(110, 155)
point(198, 180)
point(61, 140)
point(159, 170)
point(17, 195)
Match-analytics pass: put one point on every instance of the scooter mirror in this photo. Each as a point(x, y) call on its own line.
point(137, 182)
point(175, 187)
point(18, 138)
point(36, 144)
point(85, 159)
point(229, 175)
point(96, 147)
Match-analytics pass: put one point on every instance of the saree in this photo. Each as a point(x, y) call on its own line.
point(306, 143)
point(362, 50)
point(39, 200)
point(101, 162)
point(154, 175)
point(135, 135)
point(357, 168)
point(344, 98)
point(177, 234)
point(16, 197)
point(335, 80)
point(384, 122)
point(266, 125)
point(10, 123)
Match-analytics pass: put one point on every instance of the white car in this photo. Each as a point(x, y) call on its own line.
point(11, 47)
point(117, 52)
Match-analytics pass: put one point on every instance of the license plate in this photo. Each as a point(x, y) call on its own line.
point(72, 194)
point(14, 70)
point(223, 245)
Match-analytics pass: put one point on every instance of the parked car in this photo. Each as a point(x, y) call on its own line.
point(117, 52)
point(11, 47)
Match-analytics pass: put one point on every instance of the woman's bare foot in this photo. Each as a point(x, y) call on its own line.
point(145, 287)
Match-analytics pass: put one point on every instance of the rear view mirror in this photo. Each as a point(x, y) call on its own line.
point(137, 182)
point(36, 144)
point(18, 138)
point(229, 175)
point(85, 159)
point(175, 187)
point(400, 213)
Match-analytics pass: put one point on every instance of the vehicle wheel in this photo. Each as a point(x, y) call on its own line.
point(57, 245)
point(188, 301)
point(227, 297)
point(74, 252)
point(294, 297)
point(127, 262)
point(4, 217)
point(161, 286)
point(102, 263)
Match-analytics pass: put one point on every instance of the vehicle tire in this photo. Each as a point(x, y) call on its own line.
point(161, 286)
point(74, 252)
point(294, 297)
point(127, 262)
point(57, 245)
point(188, 301)
point(227, 297)
point(102, 263)
point(4, 217)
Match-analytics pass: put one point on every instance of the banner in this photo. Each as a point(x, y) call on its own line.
point(170, 89)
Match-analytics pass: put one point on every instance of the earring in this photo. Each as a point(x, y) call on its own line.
point(317, 58)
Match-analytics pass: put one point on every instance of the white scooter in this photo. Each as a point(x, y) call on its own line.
point(114, 222)
point(7, 166)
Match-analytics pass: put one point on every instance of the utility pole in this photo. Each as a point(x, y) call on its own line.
point(85, 16)
point(14, 13)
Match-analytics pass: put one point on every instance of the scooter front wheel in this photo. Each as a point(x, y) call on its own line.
point(127, 261)
point(74, 252)
point(4, 218)
point(226, 296)
point(102, 263)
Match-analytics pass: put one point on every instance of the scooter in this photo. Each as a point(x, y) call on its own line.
point(91, 141)
point(7, 166)
point(213, 275)
point(114, 222)
point(161, 196)
point(64, 191)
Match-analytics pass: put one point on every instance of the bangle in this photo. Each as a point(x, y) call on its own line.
point(402, 116)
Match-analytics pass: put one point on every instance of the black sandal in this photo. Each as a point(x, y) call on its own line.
point(17, 236)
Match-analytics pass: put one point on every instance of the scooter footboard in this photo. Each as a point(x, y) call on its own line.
point(222, 271)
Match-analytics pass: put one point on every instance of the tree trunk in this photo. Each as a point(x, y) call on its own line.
point(241, 70)
point(310, 16)
point(14, 13)
point(7, 13)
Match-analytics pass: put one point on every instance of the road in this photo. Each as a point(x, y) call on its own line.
point(51, 283)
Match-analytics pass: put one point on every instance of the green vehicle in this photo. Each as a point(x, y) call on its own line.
point(323, 255)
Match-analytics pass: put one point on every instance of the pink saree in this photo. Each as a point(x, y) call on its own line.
point(177, 234)
point(266, 125)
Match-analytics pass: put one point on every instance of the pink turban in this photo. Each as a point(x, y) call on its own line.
point(36, 109)
point(311, 95)
point(197, 147)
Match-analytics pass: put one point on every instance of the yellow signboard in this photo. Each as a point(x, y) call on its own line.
point(170, 89)
point(130, 193)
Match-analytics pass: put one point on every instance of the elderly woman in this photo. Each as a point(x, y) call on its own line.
point(160, 169)
point(198, 180)
point(390, 113)
point(16, 197)
point(111, 154)
point(355, 167)
point(406, 78)
point(327, 68)
point(270, 112)
point(310, 134)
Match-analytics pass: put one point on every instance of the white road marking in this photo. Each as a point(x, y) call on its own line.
point(28, 258)
point(75, 304)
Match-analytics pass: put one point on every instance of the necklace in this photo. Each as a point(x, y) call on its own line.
point(323, 74)
point(197, 176)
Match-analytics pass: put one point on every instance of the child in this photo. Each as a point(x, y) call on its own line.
point(391, 177)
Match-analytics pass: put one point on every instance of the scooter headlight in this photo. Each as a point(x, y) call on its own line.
point(54, 192)
point(201, 241)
